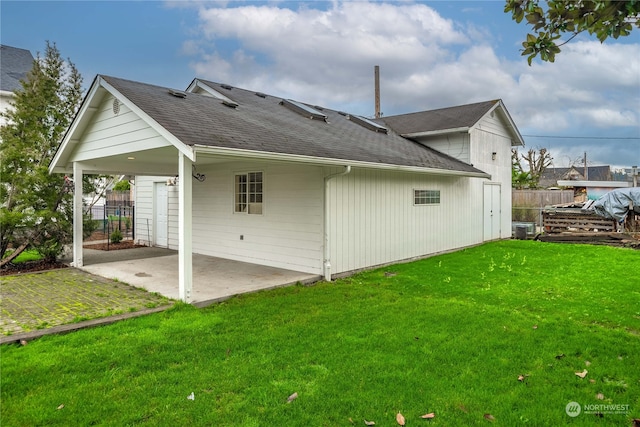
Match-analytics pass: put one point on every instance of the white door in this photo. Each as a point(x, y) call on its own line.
point(492, 211)
point(161, 223)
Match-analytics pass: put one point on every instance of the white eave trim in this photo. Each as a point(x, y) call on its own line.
point(68, 137)
point(70, 140)
point(183, 148)
point(436, 132)
point(7, 93)
point(511, 125)
point(297, 158)
point(599, 184)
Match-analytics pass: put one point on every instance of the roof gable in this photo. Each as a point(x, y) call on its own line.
point(451, 119)
point(15, 63)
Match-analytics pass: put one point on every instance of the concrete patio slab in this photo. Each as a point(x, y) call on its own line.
point(214, 279)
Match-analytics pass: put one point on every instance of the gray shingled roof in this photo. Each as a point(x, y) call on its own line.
point(441, 119)
point(15, 63)
point(262, 124)
point(550, 176)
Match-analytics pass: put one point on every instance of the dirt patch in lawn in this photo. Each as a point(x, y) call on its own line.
point(125, 244)
point(30, 267)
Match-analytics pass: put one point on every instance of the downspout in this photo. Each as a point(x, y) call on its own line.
point(327, 249)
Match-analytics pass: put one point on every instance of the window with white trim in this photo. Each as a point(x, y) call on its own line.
point(248, 193)
point(426, 197)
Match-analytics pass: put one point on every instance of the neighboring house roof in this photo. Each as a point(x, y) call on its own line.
point(15, 63)
point(261, 124)
point(551, 176)
point(443, 120)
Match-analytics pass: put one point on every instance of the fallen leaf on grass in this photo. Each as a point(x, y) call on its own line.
point(400, 419)
point(521, 378)
point(535, 326)
point(587, 363)
point(489, 417)
point(191, 396)
point(60, 407)
point(560, 356)
point(582, 374)
point(23, 342)
point(428, 416)
point(600, 396)
point(592, 381)
point(293, 397)
point(369, 423)
point(351, 420)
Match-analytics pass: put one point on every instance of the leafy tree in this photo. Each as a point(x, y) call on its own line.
point(603, 18)
point(36, 207)
point(122, 185)
point(537, 162)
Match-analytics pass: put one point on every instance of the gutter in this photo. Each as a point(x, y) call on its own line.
point(325, 161)
point(326, 264)
point(436, 132)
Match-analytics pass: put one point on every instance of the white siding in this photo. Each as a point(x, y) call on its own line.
point(5, 104)
point(287, 235)
point(145, 214)
point(111, 133)
point(374, 221)
point(455, 145)
point(488, 137)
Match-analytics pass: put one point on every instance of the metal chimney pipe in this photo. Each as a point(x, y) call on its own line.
point(376, 73)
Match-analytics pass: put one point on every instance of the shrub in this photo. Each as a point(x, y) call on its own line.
point(88, 225)
point(116, 236)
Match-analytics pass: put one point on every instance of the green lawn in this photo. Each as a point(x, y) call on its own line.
point(28, 255)
point(449, 335)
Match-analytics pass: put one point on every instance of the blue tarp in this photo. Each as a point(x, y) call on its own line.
point(615, 204)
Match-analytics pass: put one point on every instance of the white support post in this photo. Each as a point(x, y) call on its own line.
point(77, 215)
point(185, 228)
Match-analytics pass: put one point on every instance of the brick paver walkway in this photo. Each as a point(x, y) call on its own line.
point(41, 300)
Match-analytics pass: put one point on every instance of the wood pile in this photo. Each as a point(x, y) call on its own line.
point(574, 217)
point(600, 238)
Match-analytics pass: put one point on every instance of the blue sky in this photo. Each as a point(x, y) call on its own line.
point(431, 55)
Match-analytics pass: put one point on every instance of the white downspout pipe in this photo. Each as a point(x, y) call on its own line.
point(327, 246)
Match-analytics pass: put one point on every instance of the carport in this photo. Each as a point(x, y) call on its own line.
point(214, 279)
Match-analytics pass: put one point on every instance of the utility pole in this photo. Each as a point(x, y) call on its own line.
point(376, 76)
point(586, 169)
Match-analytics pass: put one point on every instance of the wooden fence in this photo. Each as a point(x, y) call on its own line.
point(529, 204)
point(118, 198)
point(540, 198)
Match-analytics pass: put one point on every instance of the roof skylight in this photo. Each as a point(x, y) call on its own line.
point(303, 109)
point(178, 93)
point(369, 124)
point(230, 103)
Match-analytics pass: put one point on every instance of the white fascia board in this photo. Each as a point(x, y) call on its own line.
point(7, 93)
point(69, 141)
point(599, 184)
point(179, 145)
point(511, 125)
point(320, 161)
point(436, 132)
point(196, 83)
